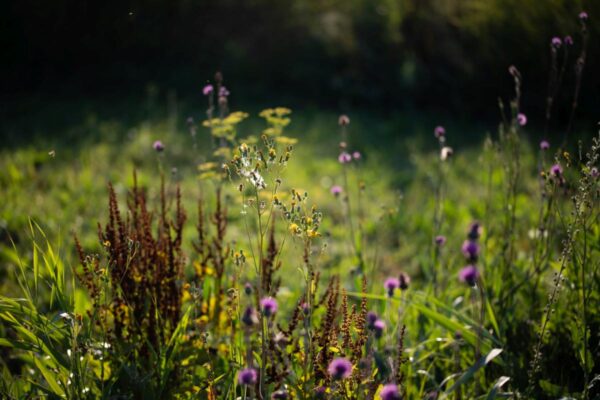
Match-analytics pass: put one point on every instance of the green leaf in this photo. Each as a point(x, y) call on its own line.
point(482, 362)
point(49, 377)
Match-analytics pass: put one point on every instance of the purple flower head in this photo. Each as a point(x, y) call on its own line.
point(583, 16)
point(344, 157)
point(568, 40)
point(390, 285)
point(522, 119)
point(440, 240)
point(158, 146)
point(378, 328)
point(403, 280)
point(544, 145)
point(247, 377)
point(340, 368)
point(250, 317)
point(439, 131)
point(280, 394)
point(594, 172)
point(556, 170)
point(343, 120)
point(268, 306)
point(223, 92)
point(371, 318)
point(336, 190)
point(356, 155)
point(556, 42)
point(469, 274)
point(474, 231)
point(248, 288)
point(390, 392)
point(208, 89)
point(470, 249)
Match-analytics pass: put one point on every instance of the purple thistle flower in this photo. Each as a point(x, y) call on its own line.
point(439, 131)
point(223, 92)
point(356, 155)
point(583, 16)
point(390, 392)
point(594, 172)
point(474, 231)
point(378, 328)
point(544, 145)
point(403, 281)
point(343, 120)
point(336, 190)
point(250, 317)
point(469, 274)
point(208, 89)
point(247, 377)
point(522, 119)
point(158, 146)
point(268, 306)
point(556, 170)
point(248, 288)
point(440, 240)
point(470, 249)
point(371, 318)
point(340, 368)
point(390, 285)
point(344, 157)
point(556, 42)
point(568, 40)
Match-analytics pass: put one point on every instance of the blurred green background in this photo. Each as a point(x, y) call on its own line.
point(412, 63)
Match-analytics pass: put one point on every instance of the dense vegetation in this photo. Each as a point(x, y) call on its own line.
point(216, 263)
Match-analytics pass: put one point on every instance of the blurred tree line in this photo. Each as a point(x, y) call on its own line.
point(387, 54)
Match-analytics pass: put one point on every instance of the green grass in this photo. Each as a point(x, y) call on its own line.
point(459, 341)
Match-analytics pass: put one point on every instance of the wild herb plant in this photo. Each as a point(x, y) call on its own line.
point(482, 282)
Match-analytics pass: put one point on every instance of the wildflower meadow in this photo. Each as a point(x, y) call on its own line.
point(225, 254)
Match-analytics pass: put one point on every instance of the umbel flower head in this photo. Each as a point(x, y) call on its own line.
point(268, 305)
point(340, 368)
point(469, 275)
point(390, 392)
point(247, 377)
